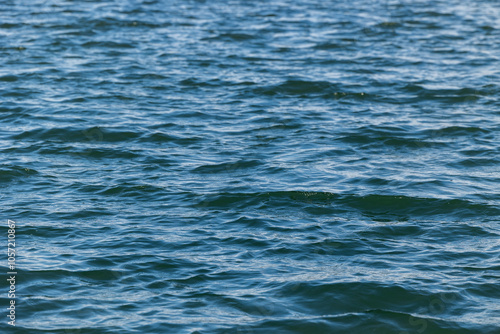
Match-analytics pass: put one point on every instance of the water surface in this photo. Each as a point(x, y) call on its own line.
point(251, 166)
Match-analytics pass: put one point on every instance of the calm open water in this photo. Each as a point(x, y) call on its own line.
point(252, 166)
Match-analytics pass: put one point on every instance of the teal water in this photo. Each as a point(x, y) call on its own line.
point(252, 167)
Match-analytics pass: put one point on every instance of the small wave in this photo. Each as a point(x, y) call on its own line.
point(379, 205)
point(227, 166)
point(230, 37)
point(12, 173)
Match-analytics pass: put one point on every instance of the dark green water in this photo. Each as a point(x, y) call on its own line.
point(251, 167)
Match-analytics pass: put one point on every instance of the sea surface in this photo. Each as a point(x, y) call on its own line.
point(230, 166)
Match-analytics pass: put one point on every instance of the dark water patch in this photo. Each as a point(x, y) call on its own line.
point(8, 78)
point(228, 37)
point(193, 82)
point(311, 89)
point(329, 46)
point(102, 153)
point(160, 138)
point(130, 190)
point(457, 95)
point(226, 167)
point(60, 134)
point(95, 212)
point(478, 162)
point(299, 87)
point(12, 173)
point(379, 205)
point(402, 205)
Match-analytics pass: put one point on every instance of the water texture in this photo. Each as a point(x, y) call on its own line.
point(252, 166)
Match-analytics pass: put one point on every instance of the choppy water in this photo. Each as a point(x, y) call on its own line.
point(252, 166)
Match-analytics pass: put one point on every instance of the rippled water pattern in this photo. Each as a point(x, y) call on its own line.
point(251, 166)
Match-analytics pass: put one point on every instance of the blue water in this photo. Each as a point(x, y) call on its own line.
point(250, 166)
